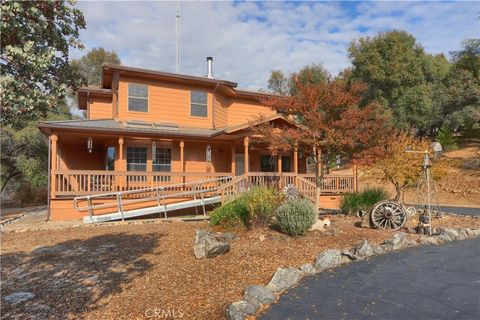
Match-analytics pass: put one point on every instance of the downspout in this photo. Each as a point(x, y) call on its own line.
point(48, 179)
point(213, 105)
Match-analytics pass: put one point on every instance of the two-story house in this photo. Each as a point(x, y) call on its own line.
point(146, 128)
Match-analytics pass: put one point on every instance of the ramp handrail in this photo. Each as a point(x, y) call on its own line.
point(161, 193)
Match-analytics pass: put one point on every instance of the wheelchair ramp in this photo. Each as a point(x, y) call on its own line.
point(152, 210)
point(156, 200)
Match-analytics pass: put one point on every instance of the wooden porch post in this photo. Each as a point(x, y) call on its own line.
point(53, 169)
point(295, 164)
point(246, 142)
point(355, 178)
point(182, 159)
point(232, 159)
point(320, 176)
point(121, 164)
point(279, 162)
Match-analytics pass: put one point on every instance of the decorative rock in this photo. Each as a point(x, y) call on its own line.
point(451, 232)
point(469, 232)
point(261, 238)
point(462, 234)
point(443, 237)
point(411, 243)
point(326, 222)
point(428, 240)
point(328, 259)
point(398, 240)
point(377, 249)
point(258, 293)
point(284, 279)
point(364, 250)
point(319, 226)
point(208, 245)
point(18, 297)
point(240, 309)
point(307, 269)
point(349, 254)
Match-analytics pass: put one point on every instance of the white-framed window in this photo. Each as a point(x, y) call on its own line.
point(163, 160)
point(137, 97)
point(136, 159)
point(198, 104)
point(162, 163)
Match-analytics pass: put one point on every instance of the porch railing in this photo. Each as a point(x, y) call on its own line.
point(89, 182)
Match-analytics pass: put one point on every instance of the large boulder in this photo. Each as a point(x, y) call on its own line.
point(239, 310)
point(328, 259)
point(284, 279)
point(256, 293)
point(209, 245)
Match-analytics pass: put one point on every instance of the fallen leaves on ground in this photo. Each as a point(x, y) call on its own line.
point(130, 271)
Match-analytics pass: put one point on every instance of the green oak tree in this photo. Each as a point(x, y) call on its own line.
point(90, 65)
point(35, 68)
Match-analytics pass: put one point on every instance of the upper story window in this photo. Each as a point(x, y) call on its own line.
point(137, 97)
point(198, 104)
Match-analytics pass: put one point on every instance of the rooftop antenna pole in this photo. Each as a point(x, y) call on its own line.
point(177, 19)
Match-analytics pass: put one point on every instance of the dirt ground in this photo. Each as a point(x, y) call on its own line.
point(126, 271)
point(460, 187)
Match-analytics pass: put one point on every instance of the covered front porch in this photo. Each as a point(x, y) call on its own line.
point(91, 164)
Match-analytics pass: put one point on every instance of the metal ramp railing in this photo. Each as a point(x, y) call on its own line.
point(151, 200)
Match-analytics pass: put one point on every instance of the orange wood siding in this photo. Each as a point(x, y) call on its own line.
point(167, 102)
point(221, 111)
point(243, 110)
point(100, 108)
point(74, 158)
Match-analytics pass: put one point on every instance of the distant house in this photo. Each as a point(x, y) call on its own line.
point(146, 129)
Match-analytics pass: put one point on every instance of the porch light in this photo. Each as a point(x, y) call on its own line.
point(89, 145)
point(209, 153)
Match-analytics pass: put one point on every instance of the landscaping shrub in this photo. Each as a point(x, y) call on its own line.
point(295, 216)
point(261, 204)
point(351, 203)
point(231, 214)
point(255, 207)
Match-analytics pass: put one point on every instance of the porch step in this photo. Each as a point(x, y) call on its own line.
point(152, 210)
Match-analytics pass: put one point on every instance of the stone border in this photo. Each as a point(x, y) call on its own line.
point(257, 298)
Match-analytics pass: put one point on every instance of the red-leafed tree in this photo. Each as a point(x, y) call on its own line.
point(327, 116)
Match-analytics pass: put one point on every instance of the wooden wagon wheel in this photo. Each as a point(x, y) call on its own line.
point(388, 215)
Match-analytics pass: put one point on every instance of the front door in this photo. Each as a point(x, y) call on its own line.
point(239, 164)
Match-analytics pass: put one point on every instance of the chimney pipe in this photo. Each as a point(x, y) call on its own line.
point(209, 67)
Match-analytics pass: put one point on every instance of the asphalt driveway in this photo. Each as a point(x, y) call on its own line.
point(427, 282)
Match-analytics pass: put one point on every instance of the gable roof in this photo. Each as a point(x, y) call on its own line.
point(107, 71)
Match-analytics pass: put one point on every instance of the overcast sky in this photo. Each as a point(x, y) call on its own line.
point(249, 39)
